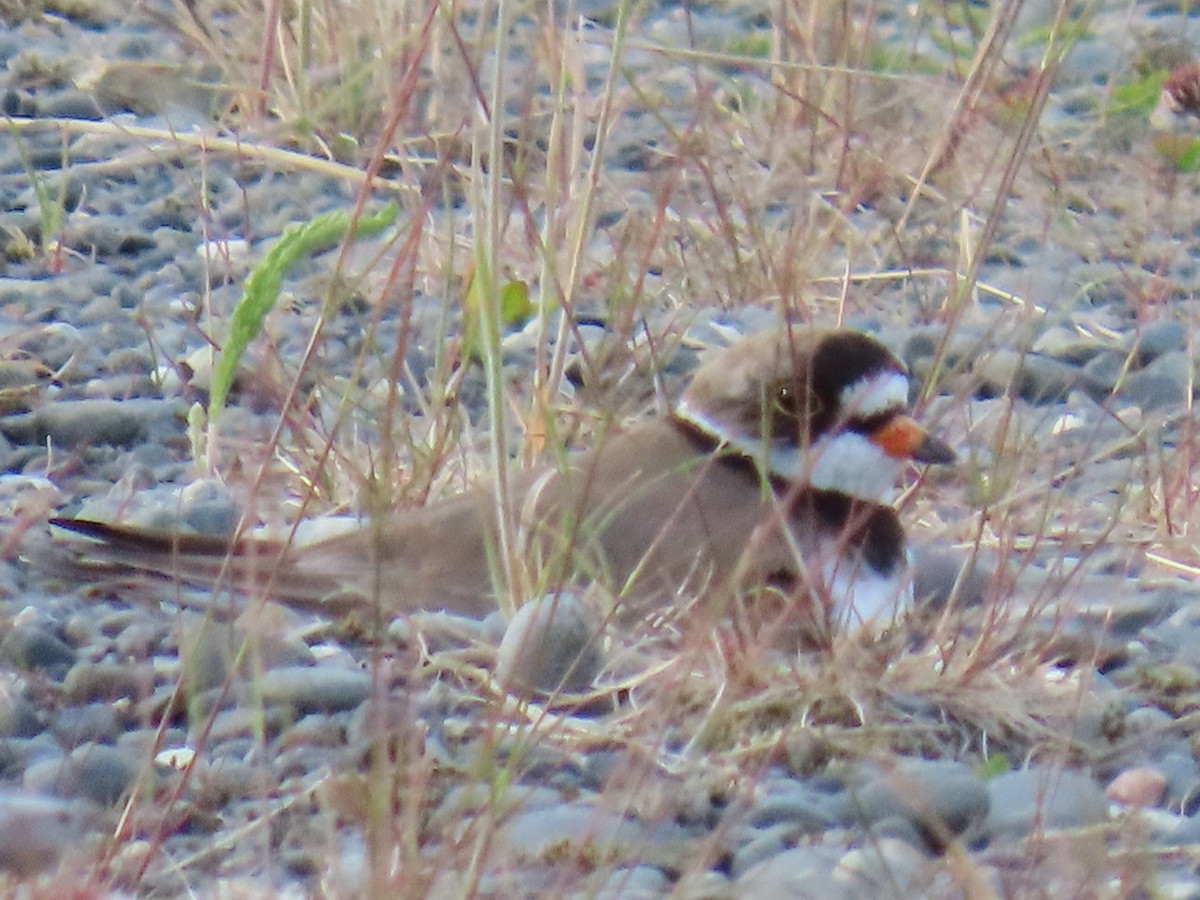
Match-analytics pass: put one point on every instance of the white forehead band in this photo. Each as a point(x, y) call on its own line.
point(875, 394)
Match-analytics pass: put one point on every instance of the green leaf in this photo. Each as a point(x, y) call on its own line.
point(1067, 35)
point(1138, 97)
point(1189, 159)
point(515, 310)
point(261, 290)
point(995, 765)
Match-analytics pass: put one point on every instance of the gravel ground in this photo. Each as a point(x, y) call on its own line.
point(1032, 735)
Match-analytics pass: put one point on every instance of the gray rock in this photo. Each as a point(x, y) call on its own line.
point(898, 828)
point(1125, 612)
point(709, 884)
point(139, 640)
point(156, 89)
point(1066, 345)
point(1185, 833)
point(1044, 798)
point(1178, 634)
point(1154, 390)
point(390, 718)
point(213, 647)
point(71, 105)
point(100, 773)
point(314, 688)
point(18, 717)
point(1036, 379)
point(30, 646)
point(88, 682)
point(441, 631)
point(636, 883)
point(18, 374)
point(940, 575)
point(44, 773)
point(214, 518)
point(93, 722)
point(147, 741)
point(102, 236)
point(38, 830)
point(245, 721)
point(1152, 732)
point(764, 844)
point(206, 652)
point(96, 772)
point(885, 867)
point(801, 807)
point(552, 645)
point(20, 752)
point(207, 507)
point(941, 798)
point(1180, 769)
point(83, 423)
point(1104, 372)
point(1160, 338)
point(920, 346)
point(467, 800)
point(801, 872)
point(574, 828)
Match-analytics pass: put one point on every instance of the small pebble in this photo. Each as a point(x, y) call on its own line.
point(578, 827)
point(38, 830)
point(553, 644)
point(32, 647)
point(314, 688)
point(941, 798)
point(79, 423)
point(1140, 787)
point(100, 773)
point(1047, 798)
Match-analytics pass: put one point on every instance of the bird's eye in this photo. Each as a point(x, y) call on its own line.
point(789, 405)
point(785, 398)
point(786, 402)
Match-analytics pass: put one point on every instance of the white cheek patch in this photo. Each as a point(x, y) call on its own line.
point(714, 429)
point(731, 438)
point(875, 394)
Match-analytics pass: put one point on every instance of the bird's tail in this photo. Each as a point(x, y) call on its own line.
point(248, 564)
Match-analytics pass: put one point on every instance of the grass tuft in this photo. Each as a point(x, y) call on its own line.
point(263, 285)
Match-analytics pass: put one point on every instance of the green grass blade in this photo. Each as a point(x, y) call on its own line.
point(263, 285)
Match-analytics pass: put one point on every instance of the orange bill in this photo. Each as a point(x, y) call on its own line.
point(903, 438)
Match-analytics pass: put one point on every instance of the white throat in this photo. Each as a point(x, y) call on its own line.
point(846, 461)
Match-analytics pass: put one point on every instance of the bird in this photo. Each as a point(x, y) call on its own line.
point(1175, 120)
point(1178, 108)
point(776, 468)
